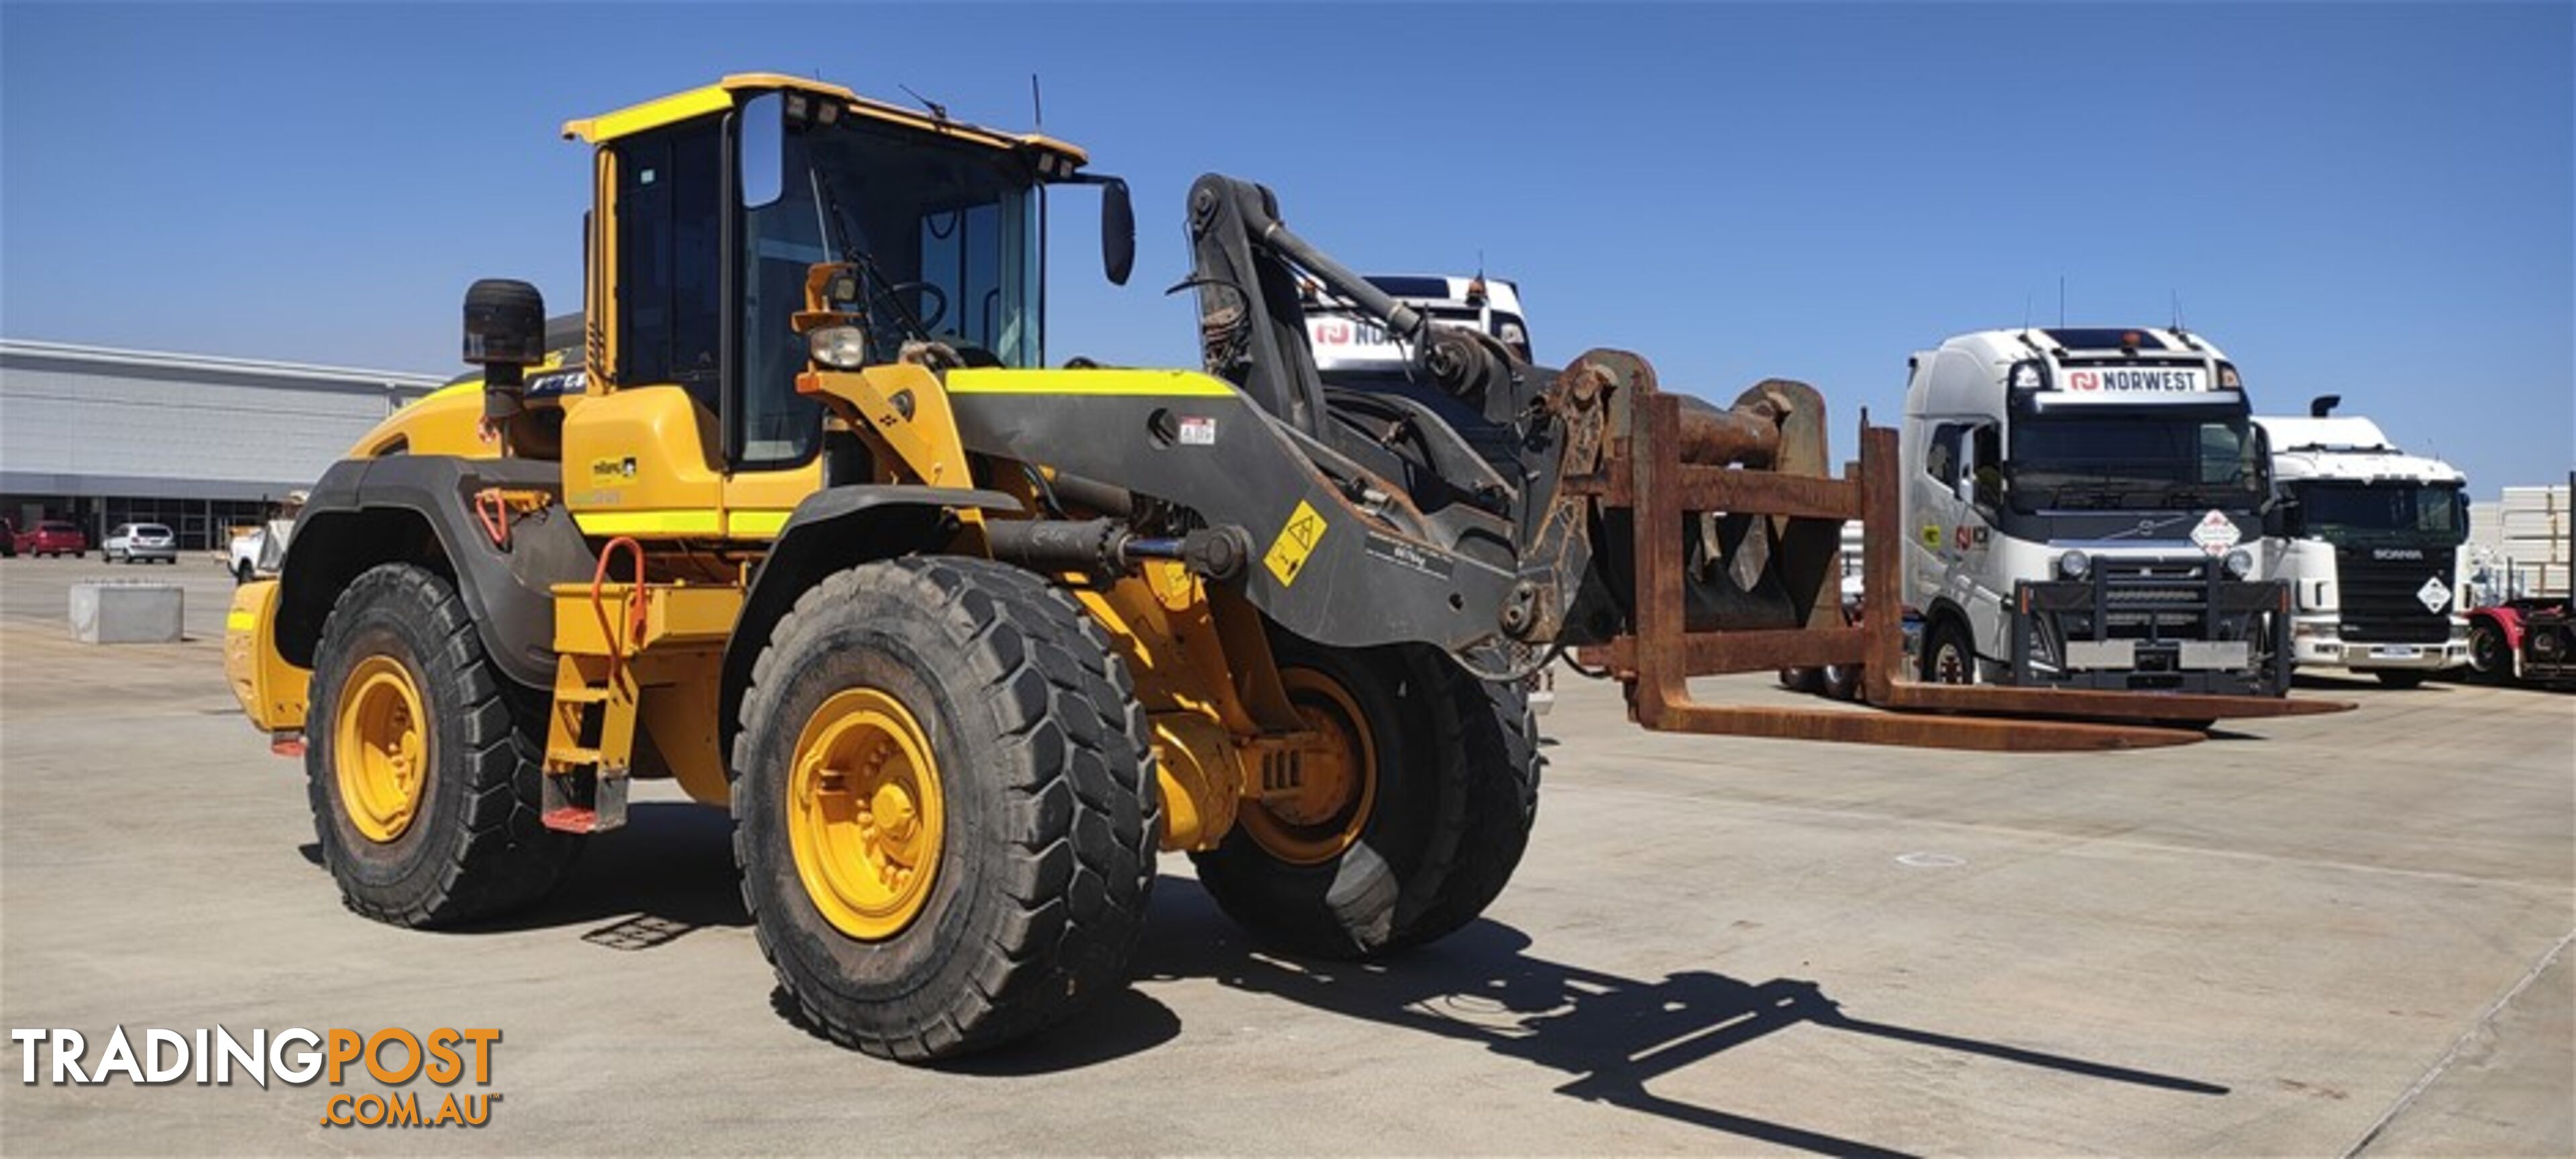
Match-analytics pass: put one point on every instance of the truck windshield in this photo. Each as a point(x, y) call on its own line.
point(2340, 512)
point(948, 232)
point(2135, 461)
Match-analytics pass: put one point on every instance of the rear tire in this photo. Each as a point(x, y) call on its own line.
point(2399, 678)
point(1455, 792)
point(995, 723)
point(458, 838)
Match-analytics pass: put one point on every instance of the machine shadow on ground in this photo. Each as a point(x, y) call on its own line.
point(670, 871)
point(667, 872)
point(1611, 1035)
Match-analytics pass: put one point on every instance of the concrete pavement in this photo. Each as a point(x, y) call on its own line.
point(2304, 937)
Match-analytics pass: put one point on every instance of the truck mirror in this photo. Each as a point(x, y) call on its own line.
point(2284, 518)
point(1117, 231)
point(761, 150)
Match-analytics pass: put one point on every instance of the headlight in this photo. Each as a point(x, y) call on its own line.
point(2240, 563)
point(839, 347)
point(2073, 565)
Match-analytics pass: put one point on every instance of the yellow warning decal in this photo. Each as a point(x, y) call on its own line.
point(1932, 535)
point(1297, 540)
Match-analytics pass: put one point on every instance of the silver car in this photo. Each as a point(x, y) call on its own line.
point(144, 542)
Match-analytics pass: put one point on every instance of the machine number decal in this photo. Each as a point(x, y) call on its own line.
point(1406, 555)
point(609, 472)
point(1297, 540)
point(1932, 536)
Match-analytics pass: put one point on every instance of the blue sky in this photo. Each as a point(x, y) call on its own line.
point(2372, 200)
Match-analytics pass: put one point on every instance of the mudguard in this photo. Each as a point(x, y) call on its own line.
point(835, 528)
point(421, 509)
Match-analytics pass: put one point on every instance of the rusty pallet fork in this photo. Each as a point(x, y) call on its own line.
point(1751, 486)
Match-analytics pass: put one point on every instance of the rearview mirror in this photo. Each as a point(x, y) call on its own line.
point(1117, 231)
point(762, 150)
point(2284, 518)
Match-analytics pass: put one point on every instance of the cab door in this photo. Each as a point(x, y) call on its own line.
point(1985, 588)
point(1933, 509)
point(773, 436)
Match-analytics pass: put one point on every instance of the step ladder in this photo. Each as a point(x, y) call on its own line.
point(613, 642)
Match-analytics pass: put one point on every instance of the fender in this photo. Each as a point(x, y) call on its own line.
point(420, 509)
point(832, 529)
point(2508, 620)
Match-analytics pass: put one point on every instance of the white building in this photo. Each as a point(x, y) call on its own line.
point(101, 436)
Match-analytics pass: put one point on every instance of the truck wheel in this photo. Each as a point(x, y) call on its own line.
point(1410, 828)
point(2487, 658)
point(422, 763)
point(1949, 656)
point(2399, 677)
point(1841, 682)
point(944, 807)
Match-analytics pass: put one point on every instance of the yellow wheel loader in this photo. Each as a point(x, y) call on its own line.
point(800, 518)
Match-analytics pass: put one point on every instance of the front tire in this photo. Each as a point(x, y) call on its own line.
point(1949, 656)
point(944, 807)
point(2488, 659)
point(1409, 846)
point(422, 764)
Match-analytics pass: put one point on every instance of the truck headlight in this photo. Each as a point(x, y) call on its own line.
point(839, 347)
point(2239, 563)
point(2073, 565)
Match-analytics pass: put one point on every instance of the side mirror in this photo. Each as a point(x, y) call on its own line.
point(761, 146)
point(1117, 231)
point(1986, 488)
point(2284, 518)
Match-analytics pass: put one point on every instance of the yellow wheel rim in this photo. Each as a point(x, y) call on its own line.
point(865, 818)
point(1336, 781)
point(380, 748)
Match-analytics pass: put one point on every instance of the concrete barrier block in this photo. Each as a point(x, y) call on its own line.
point(126, 612)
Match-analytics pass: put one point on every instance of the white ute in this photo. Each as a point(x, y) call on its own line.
point(2374, 564)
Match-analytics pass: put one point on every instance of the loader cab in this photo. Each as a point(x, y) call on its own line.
point(709, 209)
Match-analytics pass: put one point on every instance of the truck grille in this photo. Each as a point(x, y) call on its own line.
point(2380, 599)
point(2151, 598)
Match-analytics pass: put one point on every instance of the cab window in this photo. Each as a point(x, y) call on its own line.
point(670, 258)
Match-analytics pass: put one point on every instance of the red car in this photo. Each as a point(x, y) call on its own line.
point(54, 537)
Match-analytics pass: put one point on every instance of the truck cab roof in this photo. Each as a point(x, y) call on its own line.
point(2346, 448)
point(1983, 371)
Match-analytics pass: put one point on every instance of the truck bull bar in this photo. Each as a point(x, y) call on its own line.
point(1750, 489)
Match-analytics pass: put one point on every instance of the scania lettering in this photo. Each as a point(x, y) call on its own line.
point(2087, 508)
point(2374, 566)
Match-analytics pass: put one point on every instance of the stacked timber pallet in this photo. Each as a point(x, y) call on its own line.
point(2533, 540)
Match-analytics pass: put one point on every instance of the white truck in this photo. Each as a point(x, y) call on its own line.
point(2374, 561)
point(2088, 508)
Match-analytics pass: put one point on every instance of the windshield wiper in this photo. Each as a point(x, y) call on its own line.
point(850, 252)
point(2093, 495)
